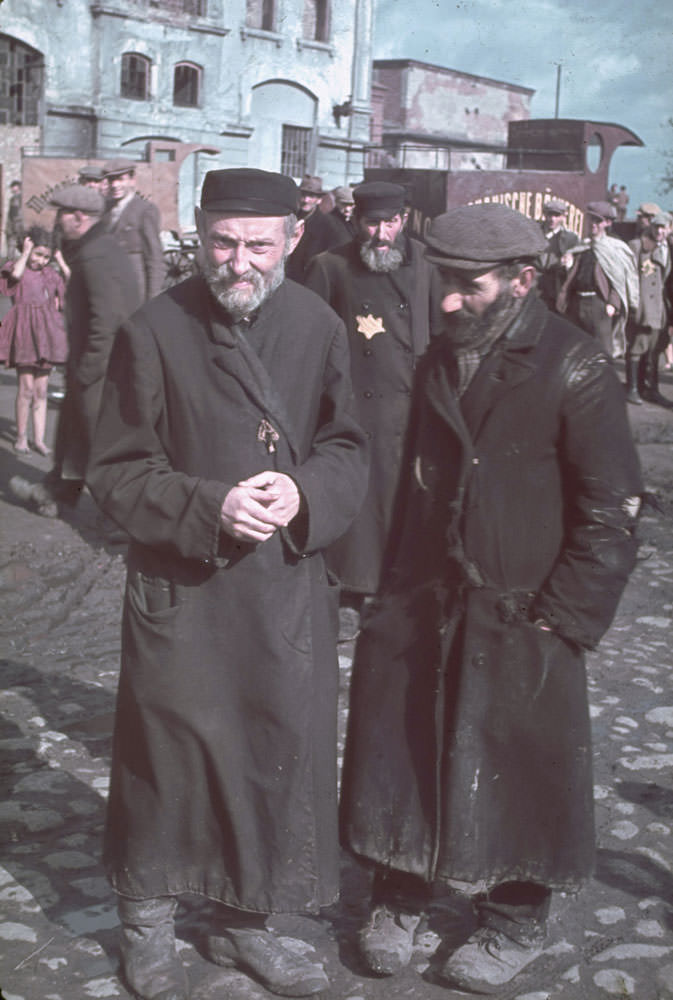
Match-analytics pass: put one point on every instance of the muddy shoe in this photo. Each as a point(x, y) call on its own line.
point(387, 942)
point(261, 954)
point(151, 966)
point(487, 961)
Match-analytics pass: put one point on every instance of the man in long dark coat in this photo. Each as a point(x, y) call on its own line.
point(228, 449)
point(468, 757)
point(101, 293)
point(382, 287)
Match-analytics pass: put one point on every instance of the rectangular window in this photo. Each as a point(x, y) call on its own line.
point(21, 71)
point(296, 148)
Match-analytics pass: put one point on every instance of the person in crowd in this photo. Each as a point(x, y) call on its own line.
point(100, 294)
point(316, 229)
point(647, 335)
point(340, 219)
point(468, 754)
point(32, 333)
point(93, 176)
point(14, 229)
point(559, 241)
point(644, 215)
point(601, 291)
point(622, 203)
point(135, 223)
point(228, 448)
point(382, 287)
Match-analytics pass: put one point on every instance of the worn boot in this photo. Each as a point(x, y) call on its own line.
point(632, 393)
point(150, 961)
point(264, 956)
point(652, 394)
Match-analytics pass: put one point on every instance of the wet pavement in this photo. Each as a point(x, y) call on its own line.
point(60, 593)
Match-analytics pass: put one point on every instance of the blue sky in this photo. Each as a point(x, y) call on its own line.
point(617, 63)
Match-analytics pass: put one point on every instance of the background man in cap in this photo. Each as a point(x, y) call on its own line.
point(381, 285)
point(317, 232)
point(135, 223)
point(228, 448)
point(468, 760)
point(559, 241)
point(100, 294)
point(601, 291)
point(93, 176)
point(644, 215)
point(14, 229)
point(647, 335)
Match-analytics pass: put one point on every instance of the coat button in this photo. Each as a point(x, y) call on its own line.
point(368, 352)
point(368, 394)
point(479, 659)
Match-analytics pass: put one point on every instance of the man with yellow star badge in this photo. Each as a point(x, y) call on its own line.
point(381, 286)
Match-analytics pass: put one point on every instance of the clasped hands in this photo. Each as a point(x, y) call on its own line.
point(256, 508)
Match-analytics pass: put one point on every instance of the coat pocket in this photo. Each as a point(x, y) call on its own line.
point(152, 596)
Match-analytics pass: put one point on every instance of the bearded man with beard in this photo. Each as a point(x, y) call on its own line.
point(228, 449)
point(386, 293)
point(468, 755)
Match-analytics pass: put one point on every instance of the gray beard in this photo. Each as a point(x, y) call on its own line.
point(237, 302)
point(380, 260)
point(467, 332)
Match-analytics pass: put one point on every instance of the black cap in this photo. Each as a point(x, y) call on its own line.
point(117, 168)
point(250, 192)
point(379, 199)
point(480, 237)
point(91, 173)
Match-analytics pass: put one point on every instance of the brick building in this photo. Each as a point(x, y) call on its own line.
point(279, 84)
point(432, 117)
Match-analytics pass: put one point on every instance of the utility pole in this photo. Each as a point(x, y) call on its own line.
point(558, 88)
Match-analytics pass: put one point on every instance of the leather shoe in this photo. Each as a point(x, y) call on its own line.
point(487, 961)
point(260, 953)
point(387, 941)
point(150, 962)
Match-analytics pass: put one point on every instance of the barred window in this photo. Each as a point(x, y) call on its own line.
point(187, 85)
point(135, 76)
point(296, 147)
point(21, 75)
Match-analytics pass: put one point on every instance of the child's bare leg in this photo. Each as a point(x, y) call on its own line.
point(24, 398)
point(40, 412)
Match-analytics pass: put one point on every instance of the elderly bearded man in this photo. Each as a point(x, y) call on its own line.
point(384, 289)
point(228, 449)
point(468, 760)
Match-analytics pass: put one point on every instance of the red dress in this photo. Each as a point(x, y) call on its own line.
point(33, 333)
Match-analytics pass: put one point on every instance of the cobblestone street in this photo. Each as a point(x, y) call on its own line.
point(60, 592)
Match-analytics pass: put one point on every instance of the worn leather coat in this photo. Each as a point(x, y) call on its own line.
point(224, 759)
point(469, 754)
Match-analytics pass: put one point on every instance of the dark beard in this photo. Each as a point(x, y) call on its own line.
point(465, 331)
point(379, 260)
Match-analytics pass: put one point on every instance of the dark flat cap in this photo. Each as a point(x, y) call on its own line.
point(379, 199)
point(115, 168)
point(482, 236)
point(601, 210)
point(250, 192)
point(555, 207)
point(92, 173)
point(78, 198)
point(311, 185)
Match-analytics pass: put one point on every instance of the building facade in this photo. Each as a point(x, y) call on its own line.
point(278, 84)
point(434, 118)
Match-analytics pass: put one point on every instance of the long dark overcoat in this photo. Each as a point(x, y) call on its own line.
point(223, 773)
point(101, 293)
point(137, 231)
point(388, 318)
point(469, 753)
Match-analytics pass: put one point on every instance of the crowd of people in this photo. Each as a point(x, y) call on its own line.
point(423, 445)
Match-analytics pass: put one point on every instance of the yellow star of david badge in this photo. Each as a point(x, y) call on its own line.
point(370, 325)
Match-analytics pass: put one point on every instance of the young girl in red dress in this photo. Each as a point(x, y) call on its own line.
point(32, 334)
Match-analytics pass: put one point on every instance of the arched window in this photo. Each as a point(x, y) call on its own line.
point(135, 76)
point(316, 25)
point(260, 14)
point(187, 85)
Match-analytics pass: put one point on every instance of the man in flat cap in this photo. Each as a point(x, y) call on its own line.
point(600, 293)
point(647, 334)
point(228, 448)
point(100, 294)
point(317, 233)
point(135, 223)
point(382, 287)
point(559, 241)
point(93, 176)
point(468, 756)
